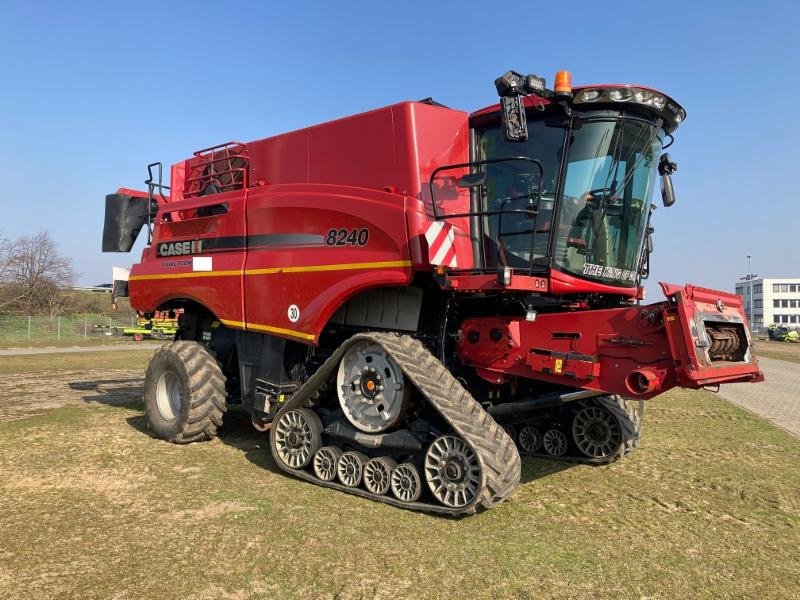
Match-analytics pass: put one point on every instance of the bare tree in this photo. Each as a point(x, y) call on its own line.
point(34, 273)
point(5, 256)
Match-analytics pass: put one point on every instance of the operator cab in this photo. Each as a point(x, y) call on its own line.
point(562, 182)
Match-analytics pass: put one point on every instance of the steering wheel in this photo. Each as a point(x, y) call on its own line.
point(606, 191)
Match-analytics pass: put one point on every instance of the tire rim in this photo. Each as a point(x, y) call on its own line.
point(530, 440)
point(169, 396)
point(555, 442)
point(596, 432)
point(405, 483)
point(452, 471)
point(294, 439)
point(377, 475)
point(371, 388)
point(325, 462)
point(349, 469)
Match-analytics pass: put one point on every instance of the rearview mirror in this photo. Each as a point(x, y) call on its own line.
point(666, 168)
point(667, 191)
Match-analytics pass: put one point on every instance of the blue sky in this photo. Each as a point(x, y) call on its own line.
point(89, 94)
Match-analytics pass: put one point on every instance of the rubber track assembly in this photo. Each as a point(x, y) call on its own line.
point(495, 450)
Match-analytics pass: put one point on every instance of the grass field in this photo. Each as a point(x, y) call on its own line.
point(779, 350)
point(92, 507)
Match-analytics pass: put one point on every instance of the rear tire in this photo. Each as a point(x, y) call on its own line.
point(184, 393)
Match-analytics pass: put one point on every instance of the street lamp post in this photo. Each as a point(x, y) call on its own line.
point(749, 292)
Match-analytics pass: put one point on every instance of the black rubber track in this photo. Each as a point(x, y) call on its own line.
point(496, 452)
point(205, 394)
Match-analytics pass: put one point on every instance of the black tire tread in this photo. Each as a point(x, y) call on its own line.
point(206, 394)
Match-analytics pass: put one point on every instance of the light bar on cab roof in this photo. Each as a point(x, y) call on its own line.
point(633, 95)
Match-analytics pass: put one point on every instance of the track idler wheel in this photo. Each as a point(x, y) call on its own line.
point(452, 471)
point(297, 437)
point(378, 474)
point(350, 468)
point(596, 432)
point(406, 483)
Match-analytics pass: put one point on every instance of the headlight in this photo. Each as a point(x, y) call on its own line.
point(633, 95)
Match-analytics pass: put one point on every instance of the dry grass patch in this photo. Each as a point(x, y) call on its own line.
point(91, 506)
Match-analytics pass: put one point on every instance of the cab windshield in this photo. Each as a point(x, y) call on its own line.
point(597, 229)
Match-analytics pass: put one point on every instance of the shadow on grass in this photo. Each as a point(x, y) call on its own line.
point(238, 432)
point(113, 392)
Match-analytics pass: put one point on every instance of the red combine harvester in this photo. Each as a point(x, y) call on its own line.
point(409, 297)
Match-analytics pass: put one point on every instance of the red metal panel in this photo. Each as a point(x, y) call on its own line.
point(296, 265)
point(158, 279)
point(603, 349)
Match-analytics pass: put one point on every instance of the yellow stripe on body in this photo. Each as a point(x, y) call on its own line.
point(272, 271)
point(184, 275)
point(269, 329)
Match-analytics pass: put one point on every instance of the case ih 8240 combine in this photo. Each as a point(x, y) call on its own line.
point(409, 297)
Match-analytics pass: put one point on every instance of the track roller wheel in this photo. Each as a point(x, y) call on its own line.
point(555, 442)
point(530, 439)
point(378, 473)
point(350, 468)
point(405, 483)
point(325, 461)
point(452, 471)
point(297, 437)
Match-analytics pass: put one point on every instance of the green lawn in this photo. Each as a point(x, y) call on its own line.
point(779, 350)
point(68, 361)
point(92, 507)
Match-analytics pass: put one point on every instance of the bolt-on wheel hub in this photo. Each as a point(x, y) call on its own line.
point(452, 471)
point(555, 442)
point(350, 468)
point(325, 461)
point(377, 474)
point(405, 483)
point(169, 396)
point(371, 388)
point(297, 437)
point(596, 432)
point(530, 440)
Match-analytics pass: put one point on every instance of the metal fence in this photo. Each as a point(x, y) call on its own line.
point(67, 328)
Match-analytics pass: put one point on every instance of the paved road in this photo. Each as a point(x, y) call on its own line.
point(777, 398)
point(101, 348)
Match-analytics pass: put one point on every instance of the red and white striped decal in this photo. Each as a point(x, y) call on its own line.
point(441, 244)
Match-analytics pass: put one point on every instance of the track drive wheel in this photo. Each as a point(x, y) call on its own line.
point(184, 393)
point(371, 388)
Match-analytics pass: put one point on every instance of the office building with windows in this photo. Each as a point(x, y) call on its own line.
point(773, 300)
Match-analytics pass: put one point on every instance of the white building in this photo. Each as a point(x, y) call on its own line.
point(773, 300)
